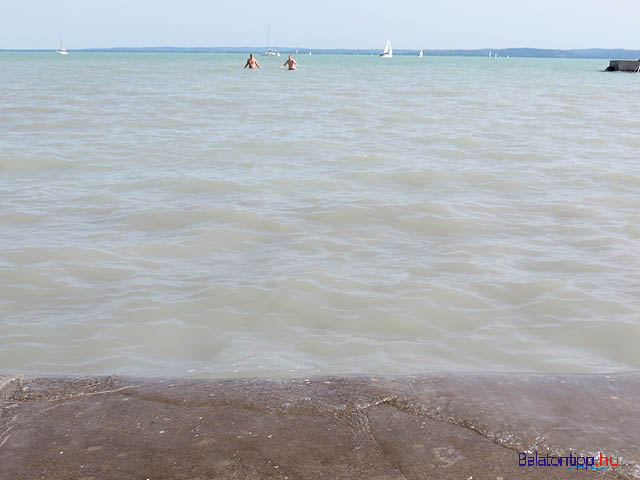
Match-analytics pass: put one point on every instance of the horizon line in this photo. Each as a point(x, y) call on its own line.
point(248, 47)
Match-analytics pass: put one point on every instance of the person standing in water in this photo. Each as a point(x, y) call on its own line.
point(252, 63)
point(291, 63)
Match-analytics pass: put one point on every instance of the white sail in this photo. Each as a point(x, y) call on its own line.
point(388, 51)
point(270, 52)
point(421, 54)
point(62, 50)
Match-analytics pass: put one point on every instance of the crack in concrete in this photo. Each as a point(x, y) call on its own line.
point(394, 402)
point(103, 392)
point(404, 407)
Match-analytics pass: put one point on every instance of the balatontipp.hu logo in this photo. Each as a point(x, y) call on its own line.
point(571, 461)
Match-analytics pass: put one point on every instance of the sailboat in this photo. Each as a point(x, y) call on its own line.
point(421, 54)
point(62, 51)
point(270, 52)
point(388, 51)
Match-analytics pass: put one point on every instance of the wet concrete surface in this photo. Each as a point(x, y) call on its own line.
point(433, 427)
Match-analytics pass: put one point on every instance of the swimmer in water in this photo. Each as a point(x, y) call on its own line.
point(252, 63)
point(291, 63)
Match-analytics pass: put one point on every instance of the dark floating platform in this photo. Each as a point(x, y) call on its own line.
point(414, 427)
point(623, 66)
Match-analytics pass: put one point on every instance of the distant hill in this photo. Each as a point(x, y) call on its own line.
point(600, 53)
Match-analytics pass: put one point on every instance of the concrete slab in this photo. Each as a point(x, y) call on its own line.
point(436, 427)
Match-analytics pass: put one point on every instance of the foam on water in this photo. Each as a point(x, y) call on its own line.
point(172, 213)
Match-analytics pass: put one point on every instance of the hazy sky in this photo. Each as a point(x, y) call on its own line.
point(415, 24)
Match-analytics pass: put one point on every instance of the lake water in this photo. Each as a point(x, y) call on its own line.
point(177, 215)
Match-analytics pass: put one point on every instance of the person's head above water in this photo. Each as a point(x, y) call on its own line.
point(251, 55)
point(290, 57)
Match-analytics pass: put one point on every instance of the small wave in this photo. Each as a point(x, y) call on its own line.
point(33, 164)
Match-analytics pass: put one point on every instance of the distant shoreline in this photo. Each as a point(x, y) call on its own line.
point(591, 53)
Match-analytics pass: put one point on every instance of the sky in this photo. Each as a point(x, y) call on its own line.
point(428, 24)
